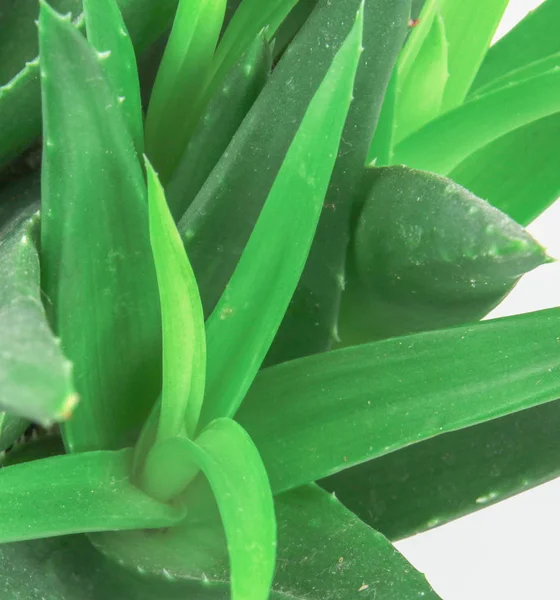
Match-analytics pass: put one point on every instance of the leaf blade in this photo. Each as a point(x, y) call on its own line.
point(88, 192)
point(423, 385)
point(233, 347)
point(184, 340)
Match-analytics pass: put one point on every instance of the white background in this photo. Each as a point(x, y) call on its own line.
point(509, 551)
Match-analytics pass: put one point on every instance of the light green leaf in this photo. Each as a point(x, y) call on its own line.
point(76, 493)
point(381, 148)
point(443, 144)
point(35, 377)
point(532, 39)
point(180, 81)
point(245, 320)
point(519, 172)
point(184, 340)
point(95, 248)
point(219, 123)
point(230, 461)
point(107, 33)
point(408, 270)
point(469, 26)
point(421, 93)
point(316, 416)
point(452, 475)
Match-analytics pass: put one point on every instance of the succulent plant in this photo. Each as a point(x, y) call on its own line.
point(241, 299)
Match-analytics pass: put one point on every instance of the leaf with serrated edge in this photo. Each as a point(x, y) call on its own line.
point(107, 33)
point(93, 189)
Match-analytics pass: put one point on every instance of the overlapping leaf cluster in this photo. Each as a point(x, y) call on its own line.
point(179, 320)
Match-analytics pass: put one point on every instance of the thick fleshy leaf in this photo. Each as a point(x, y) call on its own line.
point(245, 320)
point(469, 24)
point(180, 81)
point(421, 93)
point(93, 189)
point(291, 25)
point(409, 270)
point(518, 173)
point(316, 416)
point(11, 428)
point(77, 493)
point(238, 187)
point(436, 481)
point(184, 339)
point(312, 315)
point(316, 535)
point(20, 98)
point(218, 125)
point(444, 143)
point(107, 32)
point(35, 377)
point(533, 38)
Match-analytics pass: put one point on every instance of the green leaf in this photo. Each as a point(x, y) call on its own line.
point(93, 189)
point(518, 172)
point(238, 187)
point(444, 143)
point(184, 339)
point(76, 493)
point(381, 148)
point(35, 376)
point(532, 39)
point(218, 125)
point(180, 80)
point(410, 271)
point(11, 428)
point(316, 534)
point(291, 25)
point(430, 483)
point(312, 316)
point(468, 24)
point(319, 415)
point(527, 71)
point(20, 98)
point(107, 32)
point(421, 93)
point(245, 320)
point(230, 461)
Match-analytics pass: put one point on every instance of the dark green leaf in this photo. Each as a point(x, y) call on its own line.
point(444, 143)
point(11, 428)
point(76, 493)
point(518, 173)
point(441, 479)
point(409, 270)
point(312, 316)
point(35, 377)
point(532, 39)
point(316, 535)
point(243, 324)
point(315, 416)
point(235, 192)
point(218, 125)
point(107, 32)
point(93, 189)
point(20, 99)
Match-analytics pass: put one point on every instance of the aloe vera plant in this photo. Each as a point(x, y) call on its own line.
point(244, 314)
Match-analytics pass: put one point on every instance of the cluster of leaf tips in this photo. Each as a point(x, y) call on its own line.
point(278, 300)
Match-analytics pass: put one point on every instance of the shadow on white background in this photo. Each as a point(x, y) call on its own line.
point(509, 551)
